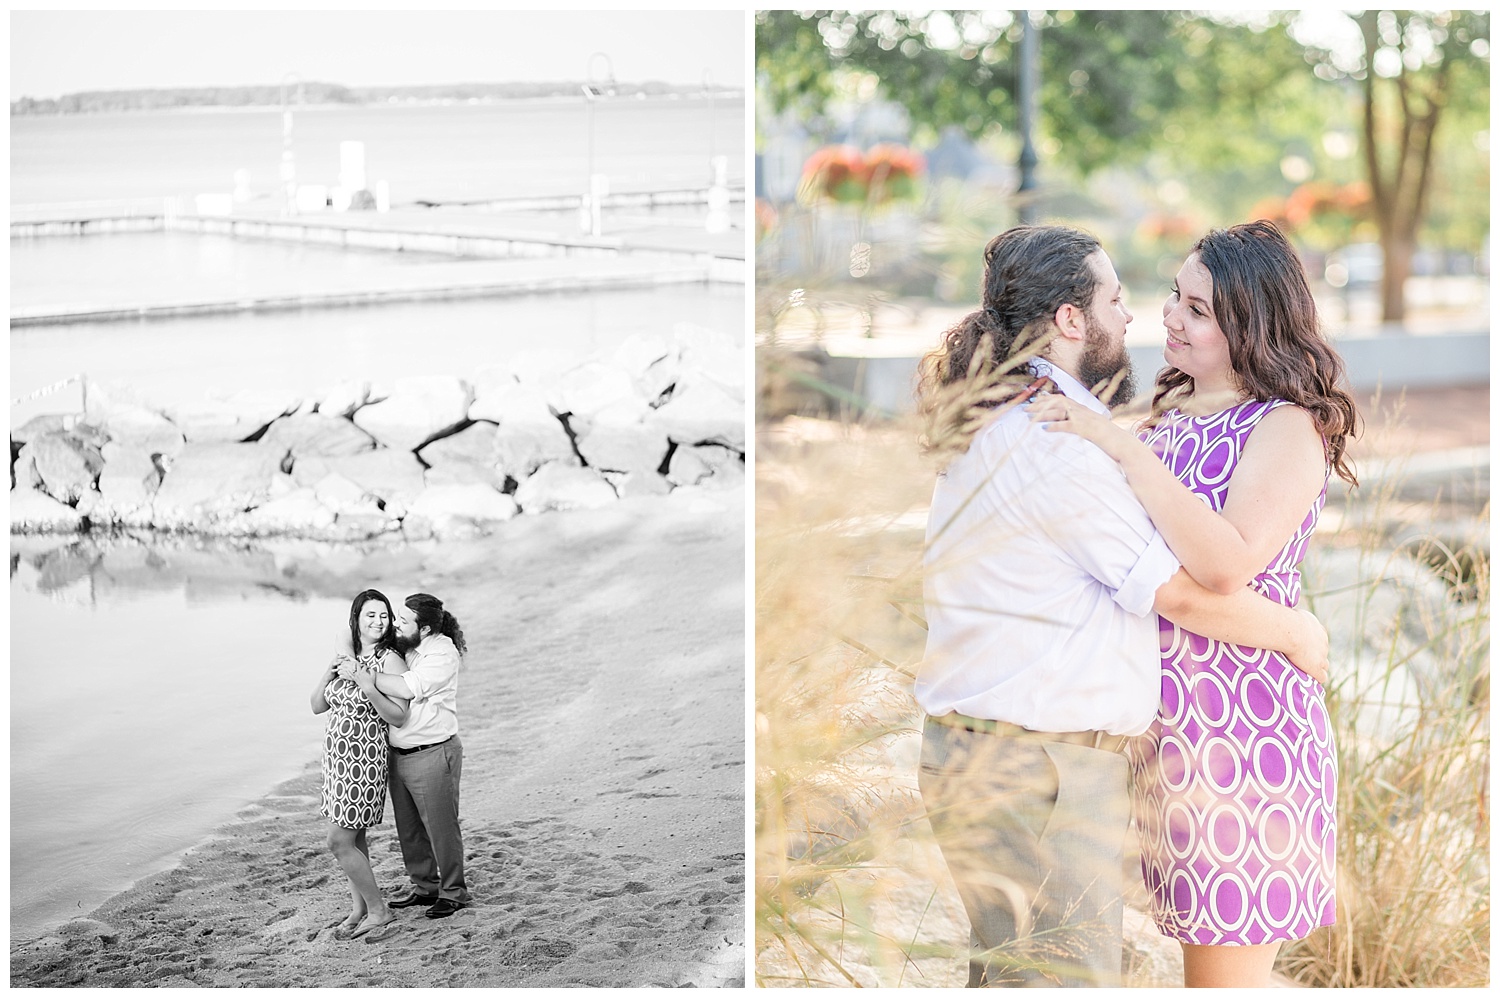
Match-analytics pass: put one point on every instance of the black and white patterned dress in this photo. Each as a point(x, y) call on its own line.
point(354, 754)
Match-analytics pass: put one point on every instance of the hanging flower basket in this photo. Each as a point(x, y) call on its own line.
point(836, 173)
point(891, 173)
point(841, 173)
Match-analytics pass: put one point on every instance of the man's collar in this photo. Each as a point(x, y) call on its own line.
point(1069, 385)
point(433, 641)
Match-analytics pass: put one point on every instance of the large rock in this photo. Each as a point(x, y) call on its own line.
point(713, 354)
point(60, 464)
point(213, 482)
point(417, 410)
point(651, 362)
point(618, 438)
point(489, 378)
point(335, 510)
point(102, 397)
point(464, 458)
point(706, 464)
point(540, 367)
point(318, 435)
point(298, 512)
point(590, 387)
point(341, 493)
point(36, 512)
point(562, 486)
point(457, 510)
point(701, 411)
point(130, 480)
point(392, 476)
point(630, 484)
point(67, 423)
point(232, 418)
point(144, 428)
point(344, 398)
point(529, 434)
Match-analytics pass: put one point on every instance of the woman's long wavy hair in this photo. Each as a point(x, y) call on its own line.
point(387, 641)
point(1276, 346)
point(428, 611)
point(1030, 271)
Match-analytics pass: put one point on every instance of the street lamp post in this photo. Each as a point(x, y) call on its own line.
point(1027, 95)
point(596, 185)
point(713, 111)
point(288, 160)
point(717, 219)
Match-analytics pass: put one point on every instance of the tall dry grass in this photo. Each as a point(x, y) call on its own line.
point(1405, 589)
point(850, 887)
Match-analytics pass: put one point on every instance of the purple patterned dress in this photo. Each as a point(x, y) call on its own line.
point(1234, 780)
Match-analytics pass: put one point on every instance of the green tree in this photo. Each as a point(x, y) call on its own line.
point(1216, 101)
point(1111, 80)
point(1412, 67)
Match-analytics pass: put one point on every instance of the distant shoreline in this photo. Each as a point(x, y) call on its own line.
point(316, 96)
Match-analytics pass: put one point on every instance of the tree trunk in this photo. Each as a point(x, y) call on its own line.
point(1398, 255)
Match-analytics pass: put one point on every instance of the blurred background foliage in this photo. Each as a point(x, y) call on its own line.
point(1154, 126)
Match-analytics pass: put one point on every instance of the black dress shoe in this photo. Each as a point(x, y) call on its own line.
point(442, 908)
point(412, 900)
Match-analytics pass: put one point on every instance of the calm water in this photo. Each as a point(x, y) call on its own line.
point(128, 268)
point(150, 699)
point(435, 152)
point(170, 361)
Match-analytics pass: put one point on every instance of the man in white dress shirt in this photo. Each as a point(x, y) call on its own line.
point(426, 756)
point(1043, 581)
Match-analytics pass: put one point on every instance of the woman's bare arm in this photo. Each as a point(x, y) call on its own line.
point(1278, 476)
point(393, 710)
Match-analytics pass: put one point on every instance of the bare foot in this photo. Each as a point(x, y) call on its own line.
point(344, 929)
point(373, 921)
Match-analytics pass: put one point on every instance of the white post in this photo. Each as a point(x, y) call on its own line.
point(352, 166)
point(718, 197)
point(288, 163)
point(598, 190)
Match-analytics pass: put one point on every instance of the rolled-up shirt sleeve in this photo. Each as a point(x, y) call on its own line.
point(1157, 564)
point(432, 672)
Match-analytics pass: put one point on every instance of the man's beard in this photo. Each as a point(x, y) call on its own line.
point(1097, 366)
point(404, 645)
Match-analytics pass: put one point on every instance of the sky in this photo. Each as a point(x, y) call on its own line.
point(61, 52)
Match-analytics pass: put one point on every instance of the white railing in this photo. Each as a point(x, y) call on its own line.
point(73, 211)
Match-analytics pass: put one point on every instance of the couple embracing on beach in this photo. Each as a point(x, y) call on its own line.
point(392, 693)
point(1112, 622)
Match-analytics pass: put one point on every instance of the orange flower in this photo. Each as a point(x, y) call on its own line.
point(835, 172)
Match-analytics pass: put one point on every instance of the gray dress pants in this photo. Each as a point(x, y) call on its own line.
point(424, 797)
point(1033, 833)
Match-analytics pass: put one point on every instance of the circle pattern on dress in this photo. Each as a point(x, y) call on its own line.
point(1234, 781)
point(355, 754)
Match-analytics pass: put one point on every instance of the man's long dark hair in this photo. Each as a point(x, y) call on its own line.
point(387, 641)
point(1276, 346)
point(1030, 271)
point(429, 613)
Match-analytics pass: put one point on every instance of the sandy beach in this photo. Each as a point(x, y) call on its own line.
point(602, 713)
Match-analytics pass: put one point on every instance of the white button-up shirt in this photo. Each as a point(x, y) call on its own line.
point(432, 676)
point(1041, 570)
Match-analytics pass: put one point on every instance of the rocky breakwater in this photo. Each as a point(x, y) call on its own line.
point(425, 456)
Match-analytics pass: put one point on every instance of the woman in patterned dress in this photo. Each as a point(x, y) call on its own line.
point(1234, 781)
point(355, 753)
